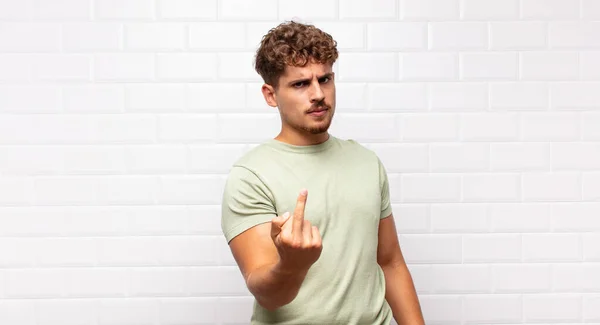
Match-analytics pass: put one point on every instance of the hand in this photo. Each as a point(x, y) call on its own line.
point(298, 242)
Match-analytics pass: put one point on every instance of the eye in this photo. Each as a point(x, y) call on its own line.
point(299, 84)
point(325, 79)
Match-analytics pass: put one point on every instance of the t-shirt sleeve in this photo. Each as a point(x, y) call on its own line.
point(386, 206)
point(246, 202)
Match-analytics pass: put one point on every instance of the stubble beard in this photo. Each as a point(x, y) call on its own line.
point(322, 128)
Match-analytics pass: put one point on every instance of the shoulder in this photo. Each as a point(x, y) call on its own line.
point(358, 150)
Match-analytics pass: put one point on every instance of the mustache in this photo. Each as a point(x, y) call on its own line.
point(318, 107)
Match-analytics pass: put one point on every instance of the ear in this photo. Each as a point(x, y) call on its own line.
point(269, 94)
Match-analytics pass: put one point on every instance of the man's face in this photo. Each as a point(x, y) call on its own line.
point(306, 98)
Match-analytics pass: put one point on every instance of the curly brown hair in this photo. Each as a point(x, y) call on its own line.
point(293, 43)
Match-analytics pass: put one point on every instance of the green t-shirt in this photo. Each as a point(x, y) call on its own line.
point(348, 194)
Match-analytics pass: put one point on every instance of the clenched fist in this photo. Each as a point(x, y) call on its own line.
point(297, 241)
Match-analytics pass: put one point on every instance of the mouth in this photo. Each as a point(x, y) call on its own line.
point(318, 112)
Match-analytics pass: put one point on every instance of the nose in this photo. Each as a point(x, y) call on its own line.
point(317, 94)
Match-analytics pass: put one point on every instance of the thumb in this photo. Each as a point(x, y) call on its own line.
point(277, 223)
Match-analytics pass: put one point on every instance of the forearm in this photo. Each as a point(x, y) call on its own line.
point(273, 286)
point(401, 295)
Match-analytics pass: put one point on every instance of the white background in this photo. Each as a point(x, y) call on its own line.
point(119, 120)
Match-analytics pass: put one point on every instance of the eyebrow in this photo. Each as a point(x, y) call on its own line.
point(328, 74)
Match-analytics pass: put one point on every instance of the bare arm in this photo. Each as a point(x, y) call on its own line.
point(400, 290)
point(275, 257)
point(257, 257)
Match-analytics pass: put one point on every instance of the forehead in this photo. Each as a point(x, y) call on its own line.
point(308, 71)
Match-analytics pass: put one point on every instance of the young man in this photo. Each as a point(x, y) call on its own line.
point(307, 215)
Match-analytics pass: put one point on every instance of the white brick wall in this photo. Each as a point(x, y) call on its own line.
point(119, 120)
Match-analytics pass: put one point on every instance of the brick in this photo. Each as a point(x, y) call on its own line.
point(128, 310)
point(367, 67)
point(348, 35)
point(186, 127)
point(187, 9)
point(546, 186)
point(520, 156)
point(417, 188)
point(350, 97)
point(414, 218)
point(407, 36)
point(429, 127)
point(154, 97)
point(520, 217)
point(459, 157)
point(575, 95)
point(591, 308)
point(30, 98)
point(244, 10)
point(591, 247)
point(483, 308)
point(124, 67)
point(62, 252)
point(34, 283)
point(490, 9)
point(398, 97)
point(567, 156)
point(455, 279)
point(305, 10)
point(404, 157)
point(580, 216)
point(159, 158)
point(491, 248)
point(488, 66)
point(431, 248)
point(552, 308)
point(375, 9)
point(591, 186)
point(590, 121)
point(574, 35)
point(124, 9)
point(16, 190)
point(441, 309)
point(92, 36)
point(534, 65)
point(459, 218)
point(209, 97)
point(201, 189)
point(187, 310)
point(489, 126)
point(428, 66)
point(68, 312)
point(61, 68)
point(551, 248)
point(29, 37)
point(244, 128)
point(458, 96)
point(61, 10)
point(519, 96)
point(242, 306)
point(16, 252)
point(14, 11)
point(521, 278)
point(458, 36)
point(365, 128)
point(155, 36)
point(429, 10)
point(555, 126)
point(200, 281)
point(231, 35)
point(550, 9)
point(523, 35)
point(589, 65)
point(18, 311)
point(590, 9)
point(237, 66)
point(490, 187)
point(94, 98)
point(15, 68)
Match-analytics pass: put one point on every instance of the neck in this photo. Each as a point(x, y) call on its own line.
point(302, 139)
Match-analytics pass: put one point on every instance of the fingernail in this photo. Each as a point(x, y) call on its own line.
point(304, 191)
